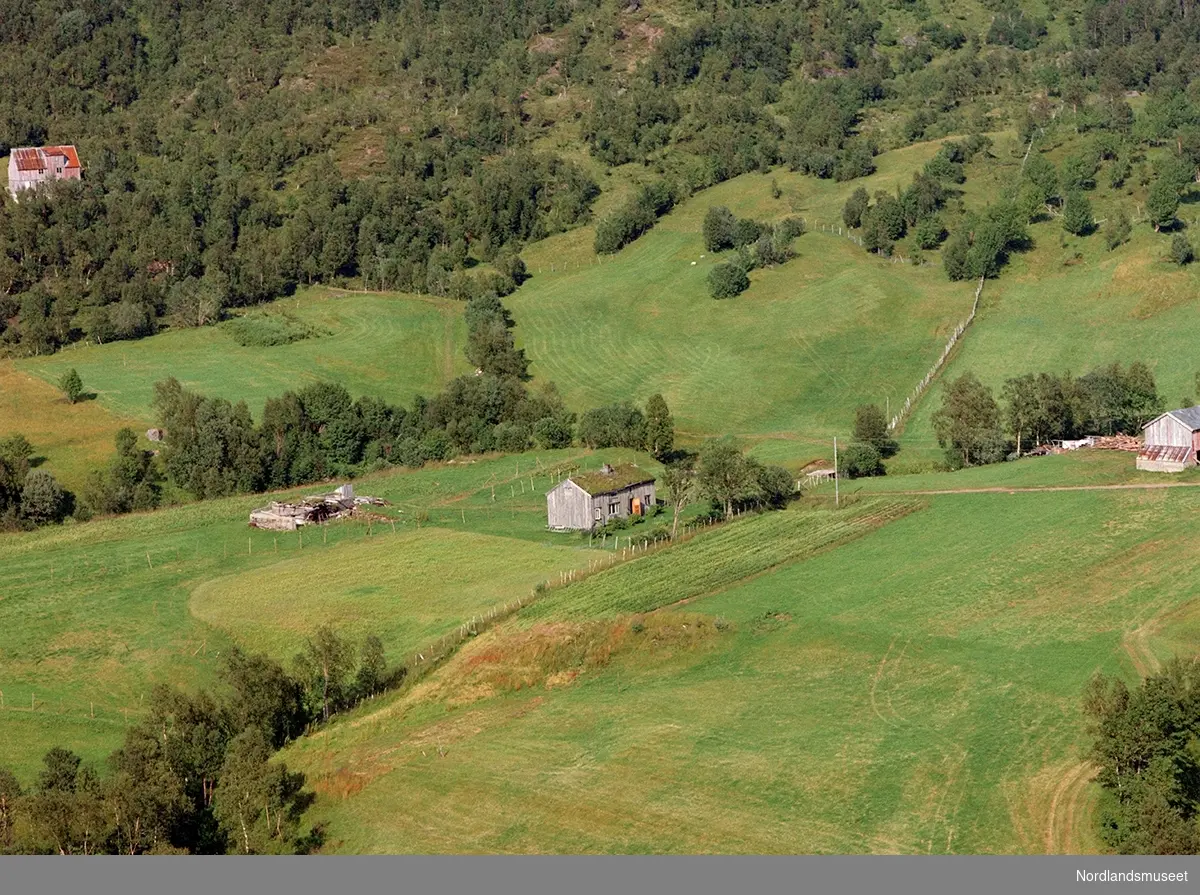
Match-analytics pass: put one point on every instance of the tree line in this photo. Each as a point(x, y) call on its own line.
point(974, 428)
point(196, 774)
point(1144, 741)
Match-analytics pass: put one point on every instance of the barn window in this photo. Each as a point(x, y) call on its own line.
point(597, 514)
point(613, 508)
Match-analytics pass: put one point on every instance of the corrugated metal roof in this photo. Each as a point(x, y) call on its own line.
point(37, 158)
point(68, 151)
point(28, 159)
point(1169, 452)
point(1189, 416)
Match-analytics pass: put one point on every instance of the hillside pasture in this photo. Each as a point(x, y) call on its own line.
point(93, 615)
point(787, 361)
point(408, 589)
point(914, 690)
point(389, 346)
point(70, 439)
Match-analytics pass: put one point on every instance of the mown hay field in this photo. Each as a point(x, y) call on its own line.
point(69, 440)
point(914, 690)
point(783, 365)
point(92, 616)
point(409, 589)
point(390, 346)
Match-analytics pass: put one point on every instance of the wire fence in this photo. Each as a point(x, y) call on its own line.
point(912, 399)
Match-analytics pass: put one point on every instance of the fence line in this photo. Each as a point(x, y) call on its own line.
point(912, 399)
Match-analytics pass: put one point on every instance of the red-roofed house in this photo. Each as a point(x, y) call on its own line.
point(27, 167)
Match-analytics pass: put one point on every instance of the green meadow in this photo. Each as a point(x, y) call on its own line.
point(93, 615)
point(915, 689)
point(782, 365)
point(387, 345)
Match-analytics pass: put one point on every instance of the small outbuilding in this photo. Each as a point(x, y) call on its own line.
point(1171, 441)
point(584, 501)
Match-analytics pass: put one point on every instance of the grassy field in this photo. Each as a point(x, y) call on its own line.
point(386, 345)
point(1070, 304)
point(71, 440)
point(408, 589)
point(914, 690)
point(91, 616)
point(1083, 468)
point(784, 364)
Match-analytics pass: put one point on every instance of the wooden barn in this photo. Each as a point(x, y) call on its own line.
point(1171, 441)
point(584, 501)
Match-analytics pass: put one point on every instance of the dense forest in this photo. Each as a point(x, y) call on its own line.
point(232, 154)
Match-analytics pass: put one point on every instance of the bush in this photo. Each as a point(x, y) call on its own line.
point(43, 500)
point(511, 266)
point(719, 224)
point(930, 233)
point(634, 218)
point(727, 280)
point(954, 256)
point(553, 432)
point(860, 460)
point(1181, 250)
point(260, 330)
point(746, 232)
point(1117, 229)
point(615, 425)
point(790, 228)
point(71, 385)
point(855, 207)
point(512, 438)
point(1077, 214)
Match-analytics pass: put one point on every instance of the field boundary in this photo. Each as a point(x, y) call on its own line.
point(911, 401)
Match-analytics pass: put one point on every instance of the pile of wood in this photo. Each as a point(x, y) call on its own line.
point(1119, 443)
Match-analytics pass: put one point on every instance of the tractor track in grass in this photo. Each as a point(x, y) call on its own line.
point(1066, 808)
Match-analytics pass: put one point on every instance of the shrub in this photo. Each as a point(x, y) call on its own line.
point(860, 460)
point(954, 256)
point(1077, 214)
point(634, 218)
point(790, 228)
point(1117, 229)
point(719, 224)
point(855, 207)
point(727, 280)
point(512, 438)
point(1181, 250)
point(71, 385)
point(553, 432)
point(43, 500)
point(930, 233)
point(261, 330)
point(746, 232)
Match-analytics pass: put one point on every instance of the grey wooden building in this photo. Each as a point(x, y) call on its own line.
point(584, 501)
point(1171, 441)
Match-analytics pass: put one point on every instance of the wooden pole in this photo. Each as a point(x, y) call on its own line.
point(837, 500)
